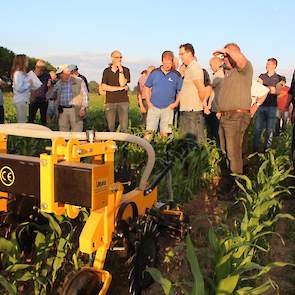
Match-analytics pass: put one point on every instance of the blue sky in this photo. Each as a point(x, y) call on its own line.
point(85, 32)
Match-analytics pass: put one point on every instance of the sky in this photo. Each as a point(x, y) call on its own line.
point(86, 32)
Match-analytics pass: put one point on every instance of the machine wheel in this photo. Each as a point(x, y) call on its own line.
point(145, 255)
point(84, 282)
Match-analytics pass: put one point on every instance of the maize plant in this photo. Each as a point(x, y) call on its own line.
point(236, 270)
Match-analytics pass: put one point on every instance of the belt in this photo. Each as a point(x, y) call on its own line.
point(235, 111)
point(67, 107)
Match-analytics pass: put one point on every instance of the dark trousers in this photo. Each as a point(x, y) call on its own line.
point(114, 109)
point(232, 129)
point(33, 109)
point(282, 117)
point(1, 115)
point(144, 115)
point(265, 117)
point(212, 125)
point(192, 125)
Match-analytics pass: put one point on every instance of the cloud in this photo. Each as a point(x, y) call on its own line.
point(92, 64)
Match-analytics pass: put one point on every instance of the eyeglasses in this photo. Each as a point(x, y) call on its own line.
point(118, 57)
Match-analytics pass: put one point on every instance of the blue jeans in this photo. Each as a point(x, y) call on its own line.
point(265, 118)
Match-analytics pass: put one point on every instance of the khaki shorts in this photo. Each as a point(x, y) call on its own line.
point(162, 116)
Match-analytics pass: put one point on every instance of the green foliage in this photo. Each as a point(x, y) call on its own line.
point(55, 253)
point(237, 250)
point(93, 87)
point(198, 281)
point(6, 58)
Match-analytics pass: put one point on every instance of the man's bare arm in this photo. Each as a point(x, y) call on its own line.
point(202, 90)
point(110, 88)
point(239, 58)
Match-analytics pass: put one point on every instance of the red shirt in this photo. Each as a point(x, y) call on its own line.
point(283, 99)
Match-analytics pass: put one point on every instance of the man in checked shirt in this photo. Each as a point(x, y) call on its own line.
point(72, 99)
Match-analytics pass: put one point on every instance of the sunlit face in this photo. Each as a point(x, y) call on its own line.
point(167, 64)
point(215, 64)
point(270, 66)
point(184, 56)
point(116, 57)
point(65, 75)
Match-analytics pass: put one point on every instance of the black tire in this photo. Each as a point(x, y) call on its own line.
point(84, 282)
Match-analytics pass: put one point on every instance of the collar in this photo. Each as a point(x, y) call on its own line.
point(160, 68)
point(191, 63)
point(274, 74)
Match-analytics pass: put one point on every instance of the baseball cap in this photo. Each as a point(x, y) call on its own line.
point(62, 68)
point(73, 67)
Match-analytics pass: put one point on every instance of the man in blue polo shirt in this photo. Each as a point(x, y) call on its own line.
point(161, 89)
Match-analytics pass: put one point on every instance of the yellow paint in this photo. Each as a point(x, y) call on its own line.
point(3, 202)
point(3, 143)
point(106, 196)
point(47, 193)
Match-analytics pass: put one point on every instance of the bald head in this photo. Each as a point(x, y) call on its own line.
point(116, 56)
point(115, 53)
point(215, 63)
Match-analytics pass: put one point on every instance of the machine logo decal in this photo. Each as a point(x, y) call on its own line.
point(101, 184)
point(7, 176)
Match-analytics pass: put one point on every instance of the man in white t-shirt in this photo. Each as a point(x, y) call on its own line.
point(192, 94)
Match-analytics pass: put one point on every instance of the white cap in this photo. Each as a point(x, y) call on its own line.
point(61, 68)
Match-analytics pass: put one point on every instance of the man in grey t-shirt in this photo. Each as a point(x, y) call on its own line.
point(234, 108)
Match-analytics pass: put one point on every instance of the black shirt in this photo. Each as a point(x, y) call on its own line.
point(44, 77)
point(85, 80)
point(112, 79)
point(271, 99)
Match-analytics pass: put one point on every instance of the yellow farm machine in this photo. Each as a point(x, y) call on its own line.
point(59, 182)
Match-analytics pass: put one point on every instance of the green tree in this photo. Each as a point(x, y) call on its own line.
point(93, 87)
point(6, 58)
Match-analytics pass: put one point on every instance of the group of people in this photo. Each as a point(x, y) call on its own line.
point(60, 94)
point(168, 95)
point(184, 96)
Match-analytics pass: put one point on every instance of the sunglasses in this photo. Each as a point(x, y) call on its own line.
point(118, 57)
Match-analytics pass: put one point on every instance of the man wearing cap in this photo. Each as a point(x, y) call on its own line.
point(114, 81)
point(75, 72)
point(38, 99)
point(72, 100)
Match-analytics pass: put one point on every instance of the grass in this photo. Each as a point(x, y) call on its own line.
point(95, 118)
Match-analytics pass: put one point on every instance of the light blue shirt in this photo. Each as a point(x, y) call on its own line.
point(21, 87)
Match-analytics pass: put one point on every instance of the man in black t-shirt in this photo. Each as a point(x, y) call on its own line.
point(114, 82)
point(266, 113)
